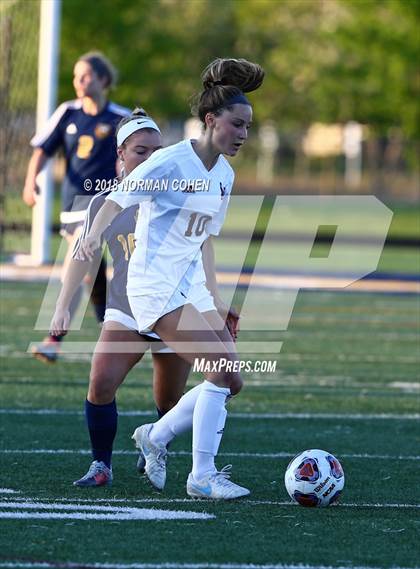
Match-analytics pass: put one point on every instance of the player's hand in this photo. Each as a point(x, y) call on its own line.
point(88, 246)
point(60, 322)
point(232, 322)
point(230, 316)
point(30, 193)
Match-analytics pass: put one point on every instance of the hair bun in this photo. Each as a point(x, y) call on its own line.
point(210, 83)
point(235, 76)
point(245, 75)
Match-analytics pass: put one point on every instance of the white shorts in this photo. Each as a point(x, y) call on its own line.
point(115, 315)
point(147, 309)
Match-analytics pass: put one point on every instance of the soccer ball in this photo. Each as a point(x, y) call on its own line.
point(314, 478)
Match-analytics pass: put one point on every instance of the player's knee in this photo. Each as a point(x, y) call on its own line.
point(236, 385)
point(233, 381)
point(101, 388)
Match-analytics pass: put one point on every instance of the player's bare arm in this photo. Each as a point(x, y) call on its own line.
point(36, 164)
point(75, 274)
point(230, 315)
point(104, 217)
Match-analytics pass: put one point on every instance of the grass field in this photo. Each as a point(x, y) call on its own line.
point(346, 381)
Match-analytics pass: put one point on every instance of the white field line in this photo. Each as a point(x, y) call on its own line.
point(323, 383)
point(82, 352)
point(189, 501)
point(342, 390)
point(38, 510)
point(260, 347)
point(8, 491)
point(339, 416)
point(282, 454)
point(52, 565)
point(247, 416)
point(405, 385)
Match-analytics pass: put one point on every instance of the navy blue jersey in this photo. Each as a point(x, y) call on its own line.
point(119, 237)
point(89, 148)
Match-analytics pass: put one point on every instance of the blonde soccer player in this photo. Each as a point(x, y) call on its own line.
point(84, 129)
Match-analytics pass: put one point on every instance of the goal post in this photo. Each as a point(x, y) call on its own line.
point(49, 41)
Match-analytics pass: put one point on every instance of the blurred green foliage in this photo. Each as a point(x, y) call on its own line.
point(328, 60)
point(19, 32)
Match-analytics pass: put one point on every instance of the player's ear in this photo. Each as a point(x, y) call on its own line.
point(210, 120)
point(104, 81)
point(120, 153)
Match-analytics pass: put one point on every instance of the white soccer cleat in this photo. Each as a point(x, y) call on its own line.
point(154, 455)
point(216, 486)
point(141, 463)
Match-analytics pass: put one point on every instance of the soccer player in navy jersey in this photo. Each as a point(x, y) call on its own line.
point(84, 129)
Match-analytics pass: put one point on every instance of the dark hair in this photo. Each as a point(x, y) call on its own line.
point(101, 66)
point(223, 79)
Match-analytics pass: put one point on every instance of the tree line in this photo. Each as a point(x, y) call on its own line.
point(326, 60)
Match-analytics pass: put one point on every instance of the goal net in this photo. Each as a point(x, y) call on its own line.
point(19, 40)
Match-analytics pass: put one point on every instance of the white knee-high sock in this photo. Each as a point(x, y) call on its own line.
point(208, 423)
point(176, 421)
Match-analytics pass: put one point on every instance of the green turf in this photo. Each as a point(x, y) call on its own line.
point(243, 523)
point(343, 354)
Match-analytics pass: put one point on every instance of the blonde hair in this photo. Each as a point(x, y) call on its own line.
point(135, 114)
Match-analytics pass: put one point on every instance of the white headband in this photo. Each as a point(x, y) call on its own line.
point(133, 126)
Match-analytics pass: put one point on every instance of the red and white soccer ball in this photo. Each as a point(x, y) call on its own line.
point(314, 478)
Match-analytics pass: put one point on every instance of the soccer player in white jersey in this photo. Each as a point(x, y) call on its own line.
point(84, 129)
point(138, 136)
point(170, 232)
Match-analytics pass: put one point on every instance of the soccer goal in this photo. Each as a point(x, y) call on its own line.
point(29, 34)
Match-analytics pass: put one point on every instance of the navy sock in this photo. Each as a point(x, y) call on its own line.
point(102, 424)
point(99, 312)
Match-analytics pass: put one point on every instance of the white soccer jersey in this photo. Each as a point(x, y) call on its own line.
point(182, 203)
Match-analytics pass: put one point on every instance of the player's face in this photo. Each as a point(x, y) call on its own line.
point(86, 82)
point(230, 129)
point(138, 147)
